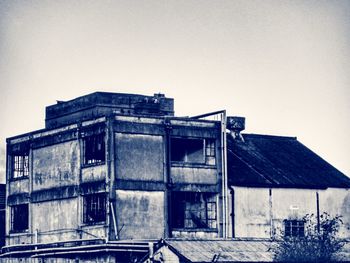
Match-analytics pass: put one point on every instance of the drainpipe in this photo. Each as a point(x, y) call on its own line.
point(232, 192)
point(224, 175)
point(168, 188)
point(318, 211)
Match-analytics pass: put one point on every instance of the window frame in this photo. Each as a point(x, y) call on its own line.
point(94, 207)
point(208, 151)
point(19, 218)
point(193, 204)
point(294, 228)
point(94, 156)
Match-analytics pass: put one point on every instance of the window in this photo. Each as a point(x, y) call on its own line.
point(19, 218)
point(190, 150)
point(20, 166)
point(94, 208)
point(94, 149)
point(194, 210)
point(20, 160)
point(210, 151)
point(294, 228)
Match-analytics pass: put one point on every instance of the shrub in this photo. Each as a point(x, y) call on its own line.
point(318, 245)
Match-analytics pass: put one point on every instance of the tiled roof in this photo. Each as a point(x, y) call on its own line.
point(274, 161)
point(222, 250)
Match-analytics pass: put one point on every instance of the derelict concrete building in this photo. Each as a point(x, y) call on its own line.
point(111, 174)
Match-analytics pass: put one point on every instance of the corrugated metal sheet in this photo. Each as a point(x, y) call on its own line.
point(223, 250)
point(275, 161)
point(233, 250)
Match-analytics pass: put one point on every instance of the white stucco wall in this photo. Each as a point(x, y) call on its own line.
point(257, 213)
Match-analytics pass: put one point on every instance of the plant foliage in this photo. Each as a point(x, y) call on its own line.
point(318, 245)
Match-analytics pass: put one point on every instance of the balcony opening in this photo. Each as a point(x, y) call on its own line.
point(190, 150)
point(192, 210)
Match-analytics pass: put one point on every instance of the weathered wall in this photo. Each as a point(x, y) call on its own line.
point(140, 214)
point(58, 215)
point(56, 165)
point(251, 212)
point(139, 157)
point(19, 186)
point(194, 175)
point(253, 209)
point(93, 173)
point(337, 202)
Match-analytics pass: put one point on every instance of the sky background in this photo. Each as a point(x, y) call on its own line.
point(284, 65)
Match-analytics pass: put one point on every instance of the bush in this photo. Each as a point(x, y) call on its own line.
point(318, 245)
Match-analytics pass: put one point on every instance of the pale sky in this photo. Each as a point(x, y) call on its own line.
point(284, 65)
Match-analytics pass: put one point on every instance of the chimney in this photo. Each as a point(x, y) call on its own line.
point(235, 125)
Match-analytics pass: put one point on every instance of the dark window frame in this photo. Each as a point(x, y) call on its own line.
point(181, 154)
point(19, 218)
point(194, 211)
point(95, 208)
point(94, 149)
point(294, 228)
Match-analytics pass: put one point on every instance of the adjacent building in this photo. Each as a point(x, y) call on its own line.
point(112, 174)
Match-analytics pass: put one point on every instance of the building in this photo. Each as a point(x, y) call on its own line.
point(112, 174)
point(2, 214)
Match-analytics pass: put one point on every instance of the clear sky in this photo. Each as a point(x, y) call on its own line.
point(284, 65)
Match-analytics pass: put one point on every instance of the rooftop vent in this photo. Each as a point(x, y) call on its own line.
point(236, 125)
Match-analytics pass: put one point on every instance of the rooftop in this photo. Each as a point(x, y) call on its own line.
point(276, 161)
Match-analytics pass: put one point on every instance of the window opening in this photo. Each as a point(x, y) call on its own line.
point(210, 151)
point(190, 150)
point(294, 228)
point(94, 208)
point(194, 210)
point(19, 218)
point(94, 149)
point(20, 166)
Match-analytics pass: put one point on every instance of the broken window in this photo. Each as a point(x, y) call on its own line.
point(94, 149)
point(19, 218)
point(194, 210)
point(190, 150)
point(20, 161)
point(294, 228)
point(94, 208)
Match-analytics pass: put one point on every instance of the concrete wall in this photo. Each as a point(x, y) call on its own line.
point(259, 214)
point(251, 212)
point(337, 202)
point(56, 165)
point(59, 216)
point(139, 157)
point(140, 214)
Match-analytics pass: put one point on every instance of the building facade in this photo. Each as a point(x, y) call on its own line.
point(110, 167)
point(112, 174)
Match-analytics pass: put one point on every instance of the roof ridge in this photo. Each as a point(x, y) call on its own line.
point(268, 136)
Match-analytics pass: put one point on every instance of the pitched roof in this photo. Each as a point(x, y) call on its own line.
point(222, 250)
point(275, 161)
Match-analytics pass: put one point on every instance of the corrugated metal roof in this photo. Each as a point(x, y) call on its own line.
point(223, 250)
point(236, 250)
point(275, 161)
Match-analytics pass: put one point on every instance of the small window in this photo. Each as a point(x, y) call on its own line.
point(20, 166)
point(294, 228)
point(94, 208)
point(94, 149)
point(19, 218)
point(190, 150)
point(194, 210)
